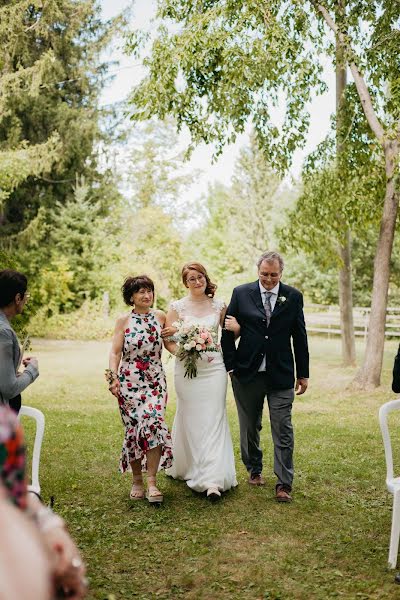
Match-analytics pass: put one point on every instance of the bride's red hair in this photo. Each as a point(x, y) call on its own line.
point(195, 266)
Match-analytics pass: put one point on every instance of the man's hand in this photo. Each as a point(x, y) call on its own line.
point(30, 360)
point(301, 385)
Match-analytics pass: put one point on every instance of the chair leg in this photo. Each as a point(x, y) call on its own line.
point(37, 447)
point(395, 533)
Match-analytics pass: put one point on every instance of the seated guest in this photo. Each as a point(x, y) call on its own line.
point(63, 560)
point(13, 297)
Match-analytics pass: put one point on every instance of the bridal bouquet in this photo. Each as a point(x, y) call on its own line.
point(192, 340)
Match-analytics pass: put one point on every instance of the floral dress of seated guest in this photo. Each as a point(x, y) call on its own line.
point(12, 456)
point(143, 394)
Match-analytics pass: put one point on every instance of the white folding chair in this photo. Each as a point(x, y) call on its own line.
point(34, 413)
point(392, 482)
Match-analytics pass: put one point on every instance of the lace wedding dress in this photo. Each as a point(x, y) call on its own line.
point(202, 445)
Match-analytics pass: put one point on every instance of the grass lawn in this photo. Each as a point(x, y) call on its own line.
point(331, 542)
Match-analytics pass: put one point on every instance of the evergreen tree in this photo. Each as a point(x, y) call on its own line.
point(50, 78)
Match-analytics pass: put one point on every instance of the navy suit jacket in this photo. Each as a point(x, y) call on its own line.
point(283, 342)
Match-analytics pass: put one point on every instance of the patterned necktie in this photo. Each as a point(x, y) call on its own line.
point(267, 305)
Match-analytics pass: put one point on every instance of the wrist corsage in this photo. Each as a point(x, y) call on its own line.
point(110, 376)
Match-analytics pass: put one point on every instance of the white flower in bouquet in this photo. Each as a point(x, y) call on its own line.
point(192, 340)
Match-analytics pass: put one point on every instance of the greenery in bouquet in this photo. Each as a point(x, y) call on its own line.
point(192, 340)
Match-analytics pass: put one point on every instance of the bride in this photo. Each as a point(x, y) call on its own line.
point(203, 453)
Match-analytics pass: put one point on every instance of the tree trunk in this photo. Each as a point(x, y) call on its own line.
point(369, 375)
point(346, 304)
point(345, 278)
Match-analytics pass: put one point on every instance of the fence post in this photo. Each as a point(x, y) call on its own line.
point(366, 318)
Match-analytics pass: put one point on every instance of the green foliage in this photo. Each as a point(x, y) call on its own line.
point(157, 174)
point(216, 66)
point(26, 161)
point(58, 209)
point(241, 219)
point(341, 191)
point(50, 78)
point(88, 322)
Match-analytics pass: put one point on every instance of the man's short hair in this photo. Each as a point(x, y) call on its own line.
point(270, 257)
point(11, 284)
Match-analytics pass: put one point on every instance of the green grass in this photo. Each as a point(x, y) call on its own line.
point(331, 542)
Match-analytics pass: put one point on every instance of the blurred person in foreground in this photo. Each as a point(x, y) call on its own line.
point(34, 541)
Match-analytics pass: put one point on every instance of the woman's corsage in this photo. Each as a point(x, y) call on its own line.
point(110, 376)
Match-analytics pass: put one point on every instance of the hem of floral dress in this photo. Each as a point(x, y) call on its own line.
point(164, 464)
point(141, 435)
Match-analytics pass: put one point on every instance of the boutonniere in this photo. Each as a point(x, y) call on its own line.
point(281, 300)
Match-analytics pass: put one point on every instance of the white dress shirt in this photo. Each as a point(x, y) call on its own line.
point(273, 299)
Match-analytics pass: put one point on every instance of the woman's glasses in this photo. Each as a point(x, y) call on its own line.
point(199, 278)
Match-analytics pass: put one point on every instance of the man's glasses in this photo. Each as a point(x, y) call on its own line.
point(269, 275)
point(199, 278)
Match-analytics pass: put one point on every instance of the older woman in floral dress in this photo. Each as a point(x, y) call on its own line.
point(136, 377)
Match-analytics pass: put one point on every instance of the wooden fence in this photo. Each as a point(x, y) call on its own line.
point(326, 319)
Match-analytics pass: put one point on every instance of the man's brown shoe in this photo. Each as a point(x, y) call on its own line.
point(256, 479)
point(282, 495)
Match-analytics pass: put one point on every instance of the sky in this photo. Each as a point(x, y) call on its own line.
point(128, 73)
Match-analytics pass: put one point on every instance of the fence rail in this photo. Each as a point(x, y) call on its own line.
point(326, 319)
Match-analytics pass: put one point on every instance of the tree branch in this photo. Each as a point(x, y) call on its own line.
point(361, 86)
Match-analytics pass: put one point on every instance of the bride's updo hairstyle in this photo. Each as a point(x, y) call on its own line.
point(195, 266)
point(134, 284)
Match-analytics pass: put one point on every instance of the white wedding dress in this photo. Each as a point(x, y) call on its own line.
point(202, 444)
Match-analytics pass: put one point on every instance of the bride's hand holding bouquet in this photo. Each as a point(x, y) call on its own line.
point(191, 341)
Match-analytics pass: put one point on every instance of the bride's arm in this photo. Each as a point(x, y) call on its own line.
point(160, 316)
point(230, 323)
point(169, 330)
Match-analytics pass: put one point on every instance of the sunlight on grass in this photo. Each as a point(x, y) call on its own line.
point(331, 542)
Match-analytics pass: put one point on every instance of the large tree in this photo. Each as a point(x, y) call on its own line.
point(50, 79)
point(228, 62)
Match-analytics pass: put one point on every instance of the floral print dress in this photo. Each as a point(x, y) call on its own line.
point(143, 395)
point(12, 457)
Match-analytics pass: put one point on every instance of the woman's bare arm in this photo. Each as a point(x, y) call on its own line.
point(116, 352)
point(169, 330)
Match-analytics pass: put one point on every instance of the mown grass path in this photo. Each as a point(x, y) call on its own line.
point(331, 542)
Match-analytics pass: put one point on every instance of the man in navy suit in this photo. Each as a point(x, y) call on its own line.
point(273, 341)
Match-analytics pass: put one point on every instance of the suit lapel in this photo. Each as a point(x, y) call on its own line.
point(279, 306)
point(256, 296)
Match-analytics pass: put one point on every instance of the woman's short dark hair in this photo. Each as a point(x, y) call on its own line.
point(11, 284)
point(134, 284)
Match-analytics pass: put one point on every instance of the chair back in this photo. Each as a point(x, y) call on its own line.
point(384, 410)
point(34, 413)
